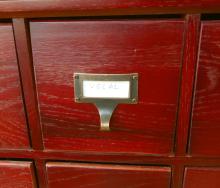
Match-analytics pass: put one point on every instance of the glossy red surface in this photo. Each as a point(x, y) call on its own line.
point(69, 8)
point(13, 130)
point(91, 4)
point(205, 137)
point(16, 175)
point(22, 40)
point(108, 176)
point(150, 48)
point(39, 8)
point(191, 43)
point(202, 177)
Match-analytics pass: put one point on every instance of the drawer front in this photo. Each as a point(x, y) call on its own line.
point(106, 176)
point(16, 174)
point(202, 178)
point(205, 131)
point(13, 130)
point(150, 48)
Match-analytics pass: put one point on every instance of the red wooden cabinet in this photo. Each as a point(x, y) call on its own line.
point(150, 48)
point(202, 177)
point(169, 139)
point(17, 174)
point(13, 130)
point(205, 137)
point(108, 176)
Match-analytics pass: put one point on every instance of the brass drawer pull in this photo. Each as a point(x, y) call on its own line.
point(106, 91)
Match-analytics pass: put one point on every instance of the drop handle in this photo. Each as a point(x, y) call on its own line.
point(105, 113)
point(106, 91)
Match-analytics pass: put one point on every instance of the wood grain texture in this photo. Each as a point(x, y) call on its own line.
point(40, 8)
point(191, 37)
point(23, 48)
point(192, 32)
point(150, 48)
point(205, 131)
point(16, 174)
point(13, 130)
point(202, 177)
point(40, 5)
point(108, 176)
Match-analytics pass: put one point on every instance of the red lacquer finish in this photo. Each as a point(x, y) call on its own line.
point(187, 82)
point(22, 38)
point(139, 150)
point(108, 176)
point(42, 5)
point(202, 177)
point(186, 92)
point(39, 8)
point(41, 172)
point(150, 48)
point(13, 130)
point(16, 175)
point(205, 131)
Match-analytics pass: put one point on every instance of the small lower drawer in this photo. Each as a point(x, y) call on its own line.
point(14, 174)
point(202, 177)
point(106, 176)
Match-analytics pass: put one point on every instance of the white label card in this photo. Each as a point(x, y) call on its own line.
point(106, 89)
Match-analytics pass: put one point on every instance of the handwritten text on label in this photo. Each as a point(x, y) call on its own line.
point(106, 89)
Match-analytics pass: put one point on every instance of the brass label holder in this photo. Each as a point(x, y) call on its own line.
point(106, 91)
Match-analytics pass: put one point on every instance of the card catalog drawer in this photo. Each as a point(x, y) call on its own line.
point(150, 49)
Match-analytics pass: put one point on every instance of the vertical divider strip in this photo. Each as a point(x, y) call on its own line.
point(34, 175)
point(177, 176)
point(190, 53)
point(41, 173)
point(188, 74)
point(24, 55)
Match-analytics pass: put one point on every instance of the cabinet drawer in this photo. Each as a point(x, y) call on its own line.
point(16, 174)
point(106, 176)
point(13, 130)
point(150, 48)
point(206, 113)
point(202, 178)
